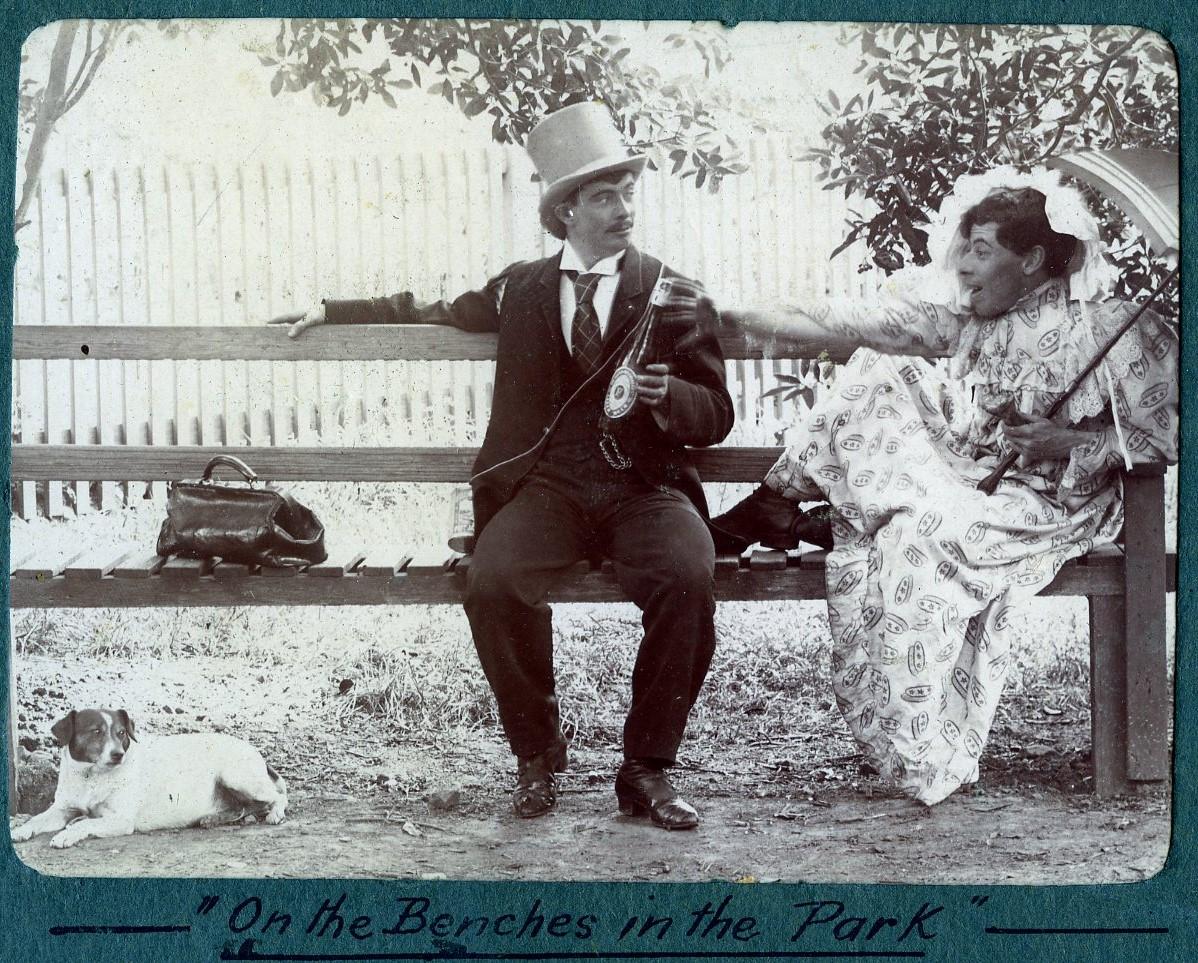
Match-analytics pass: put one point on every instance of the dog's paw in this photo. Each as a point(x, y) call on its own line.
point(68, 837)
point(274, 817)
point(21, 833)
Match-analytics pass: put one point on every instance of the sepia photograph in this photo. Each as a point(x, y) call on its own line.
point(587, 450)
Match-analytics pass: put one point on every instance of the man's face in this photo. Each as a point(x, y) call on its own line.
point(993, 276)
point(599, 220)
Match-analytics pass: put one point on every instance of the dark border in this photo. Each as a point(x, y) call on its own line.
point(178, 920)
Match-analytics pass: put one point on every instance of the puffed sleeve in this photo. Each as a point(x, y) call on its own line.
point(899, 319)
point(1138, 381)
point(895, 325)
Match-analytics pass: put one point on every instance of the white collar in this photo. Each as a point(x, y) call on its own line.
point(572, 262)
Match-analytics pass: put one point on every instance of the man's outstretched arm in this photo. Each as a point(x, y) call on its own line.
point(472, 311)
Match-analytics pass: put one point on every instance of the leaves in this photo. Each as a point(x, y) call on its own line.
point(800, 388)
point(517, 71)
point(962, 99)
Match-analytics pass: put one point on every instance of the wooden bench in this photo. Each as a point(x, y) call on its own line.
point(1125, 587)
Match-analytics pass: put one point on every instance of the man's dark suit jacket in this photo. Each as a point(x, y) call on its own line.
point(533, 374)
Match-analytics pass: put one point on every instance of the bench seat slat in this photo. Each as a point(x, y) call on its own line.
point(98, 562)
point(376, 565)
point(40, 568)
point(139, 566)
point(278, 571)
point(813, 560)
point(177, 569)
point(227, 571)
point(767, 560)
point(433, 585)
point(429, 561)
point(337, 565)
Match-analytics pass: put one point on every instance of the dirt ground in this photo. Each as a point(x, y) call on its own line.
point(368, 803)
point(988, 837)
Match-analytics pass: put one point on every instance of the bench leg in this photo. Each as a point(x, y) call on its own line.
point(1108, 695)
point(1149, 697)
point(12, 721)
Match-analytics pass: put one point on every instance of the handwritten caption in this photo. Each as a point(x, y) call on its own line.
point(335, 920)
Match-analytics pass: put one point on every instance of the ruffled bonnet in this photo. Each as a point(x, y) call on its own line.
point(1090, 275)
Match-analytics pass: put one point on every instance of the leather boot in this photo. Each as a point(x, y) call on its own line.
point(771, 519)
point(536, 785)
point(644, 789)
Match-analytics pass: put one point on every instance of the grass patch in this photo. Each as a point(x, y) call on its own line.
point(438, 687)
point(414, 669)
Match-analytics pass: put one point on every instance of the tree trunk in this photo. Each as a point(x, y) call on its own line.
point(48, 113)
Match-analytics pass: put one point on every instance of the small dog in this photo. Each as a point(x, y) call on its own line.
point(109, 784)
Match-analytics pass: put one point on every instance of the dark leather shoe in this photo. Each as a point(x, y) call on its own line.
point(773, 520)
point(815, 527)
point(643, 789)
point(536, 786)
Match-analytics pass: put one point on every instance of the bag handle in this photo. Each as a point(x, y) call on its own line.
point(229, 461)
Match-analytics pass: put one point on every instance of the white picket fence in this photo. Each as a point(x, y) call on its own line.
point(222, 245)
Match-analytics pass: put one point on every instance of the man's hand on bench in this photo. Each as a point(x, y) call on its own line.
point(300, 321)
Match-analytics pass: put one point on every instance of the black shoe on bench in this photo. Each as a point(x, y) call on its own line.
point(772, 520)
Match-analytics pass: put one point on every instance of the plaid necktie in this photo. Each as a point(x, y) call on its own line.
point(586, 342)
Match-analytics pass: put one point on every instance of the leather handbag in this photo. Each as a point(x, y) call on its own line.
point(250, 524)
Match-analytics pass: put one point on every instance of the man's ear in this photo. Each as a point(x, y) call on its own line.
point(1034, 260)
point(563, 211)
point(64, 729)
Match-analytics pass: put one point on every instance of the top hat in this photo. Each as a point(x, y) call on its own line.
point(572, 146)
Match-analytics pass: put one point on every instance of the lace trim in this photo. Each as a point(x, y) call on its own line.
point(983, 358)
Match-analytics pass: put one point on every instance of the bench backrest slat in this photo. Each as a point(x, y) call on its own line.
point(294, 463)
point(266, 343)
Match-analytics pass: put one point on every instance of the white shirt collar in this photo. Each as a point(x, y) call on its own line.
point(572, 262)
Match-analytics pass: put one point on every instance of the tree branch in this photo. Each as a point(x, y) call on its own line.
point(87, 52)
point(484, 69)
point(48, 113)
point(106, 44)
point(1080, 106)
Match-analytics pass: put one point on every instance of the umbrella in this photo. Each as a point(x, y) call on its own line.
point(1142, 181)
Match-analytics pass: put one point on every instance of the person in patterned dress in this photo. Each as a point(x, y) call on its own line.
point(925, 569)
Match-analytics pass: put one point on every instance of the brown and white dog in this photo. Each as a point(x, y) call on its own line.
point(110, 784)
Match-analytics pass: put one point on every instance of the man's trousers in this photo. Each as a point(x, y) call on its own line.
point(663, 559)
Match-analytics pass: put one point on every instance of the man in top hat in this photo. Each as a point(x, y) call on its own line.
point(553, 486)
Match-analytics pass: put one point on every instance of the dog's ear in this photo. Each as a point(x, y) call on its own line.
point(64, 728)
point(127, 722)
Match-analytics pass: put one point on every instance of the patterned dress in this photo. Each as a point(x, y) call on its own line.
point(926, 568)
